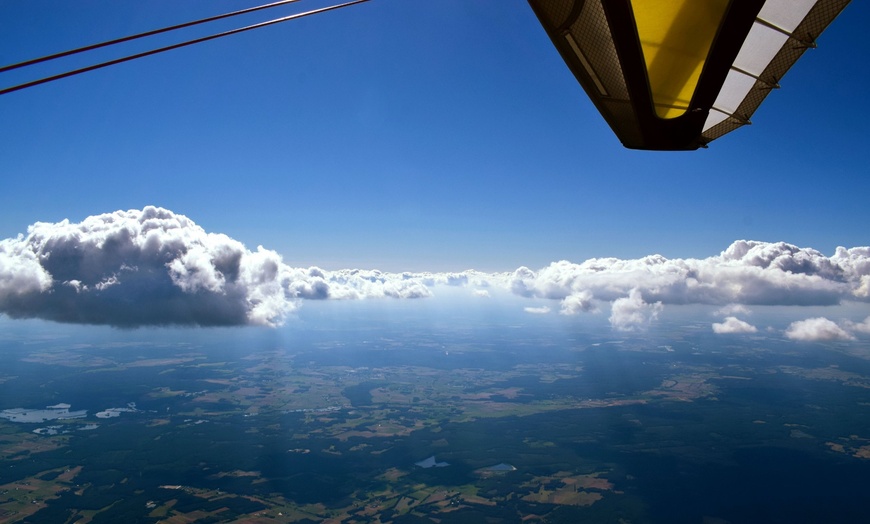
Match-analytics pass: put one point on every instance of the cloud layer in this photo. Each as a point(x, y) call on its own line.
point(747, 273)
point(156, 267)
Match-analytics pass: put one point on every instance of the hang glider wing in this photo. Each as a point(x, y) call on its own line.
point(677, 74)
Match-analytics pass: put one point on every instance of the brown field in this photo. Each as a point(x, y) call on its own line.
point(476, 499)
point(30, 495)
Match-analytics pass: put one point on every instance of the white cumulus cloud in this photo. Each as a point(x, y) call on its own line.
point(817, 329)
point(580, 302)
point(860, 327)
point(733, 325)
point(542, 310)
point(632, 313)
point(132, 268)
point(732, 309)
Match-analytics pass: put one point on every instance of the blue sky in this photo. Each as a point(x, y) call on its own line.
point(412, 135)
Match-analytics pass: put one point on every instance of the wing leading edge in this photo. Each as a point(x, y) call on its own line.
point(677, 74)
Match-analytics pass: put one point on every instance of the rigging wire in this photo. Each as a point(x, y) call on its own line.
point(176, 46)
point(142, 35)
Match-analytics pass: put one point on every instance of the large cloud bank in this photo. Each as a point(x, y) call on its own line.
point(156, 267)
point(747, 273)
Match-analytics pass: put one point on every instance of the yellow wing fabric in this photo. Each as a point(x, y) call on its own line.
point(676, 37)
